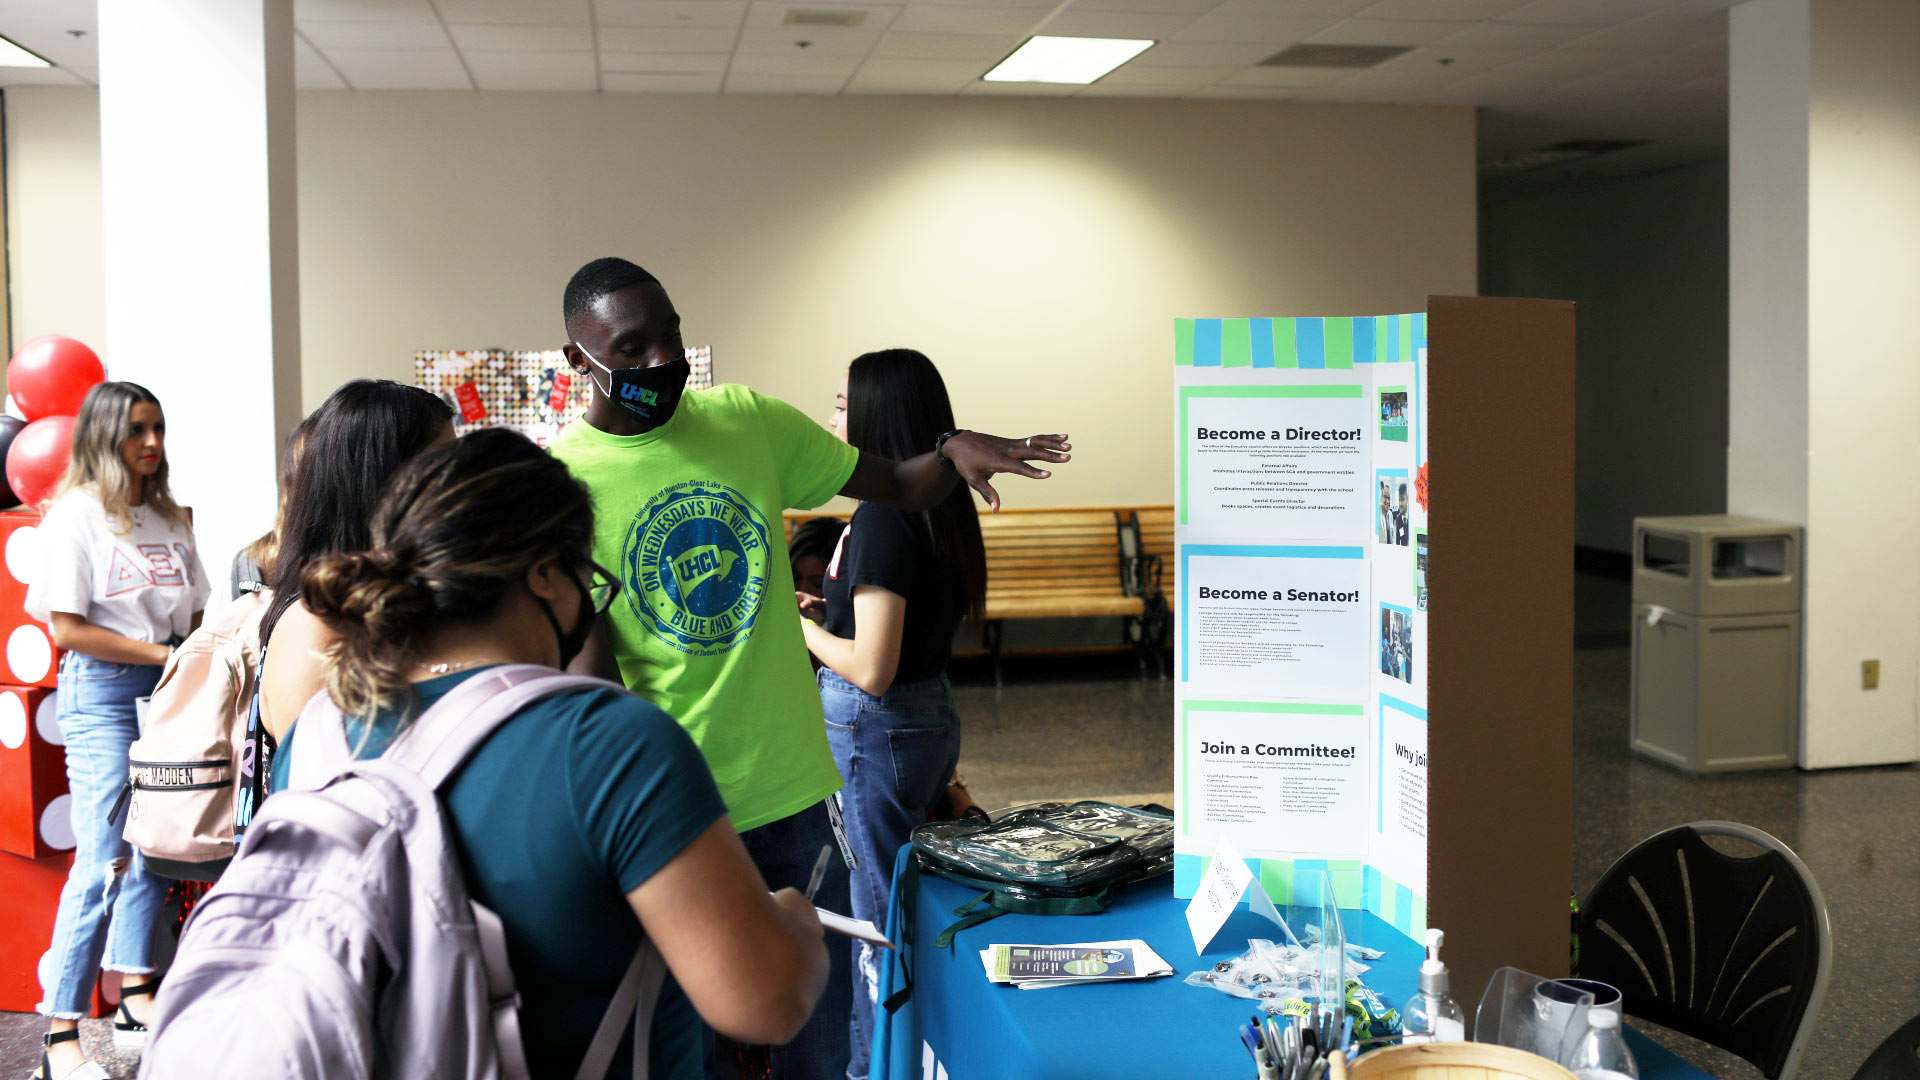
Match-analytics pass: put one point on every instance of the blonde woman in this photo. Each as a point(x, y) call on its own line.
point(120, 583)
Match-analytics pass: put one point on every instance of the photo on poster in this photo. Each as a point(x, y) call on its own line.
point(1392, 513)
point(1396, 642)
point(1420, 569)
point(1393, 413)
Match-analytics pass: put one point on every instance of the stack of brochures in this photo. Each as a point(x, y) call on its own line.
point(1036, 967)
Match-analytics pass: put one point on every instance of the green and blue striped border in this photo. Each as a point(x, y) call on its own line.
point(1332, 343)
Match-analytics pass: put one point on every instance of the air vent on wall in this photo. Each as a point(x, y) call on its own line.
point(1334, 56)
point(823, 17)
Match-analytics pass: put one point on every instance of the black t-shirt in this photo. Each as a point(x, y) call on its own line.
point(893, 550)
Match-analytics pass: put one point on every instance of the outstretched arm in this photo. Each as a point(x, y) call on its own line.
point(920, 483)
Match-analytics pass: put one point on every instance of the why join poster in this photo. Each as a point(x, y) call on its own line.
point(1301, 603)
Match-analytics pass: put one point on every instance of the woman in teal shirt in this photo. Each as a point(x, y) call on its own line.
point(589, 817)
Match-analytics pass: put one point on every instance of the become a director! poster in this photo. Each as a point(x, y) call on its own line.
point(1301, 538)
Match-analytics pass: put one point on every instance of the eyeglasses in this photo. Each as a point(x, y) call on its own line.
point(604, 589)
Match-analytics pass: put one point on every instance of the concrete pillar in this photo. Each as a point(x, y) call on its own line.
point(201, 259)
point(1825, 252)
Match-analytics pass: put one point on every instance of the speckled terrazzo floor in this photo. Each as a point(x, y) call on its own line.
point(1078, 728)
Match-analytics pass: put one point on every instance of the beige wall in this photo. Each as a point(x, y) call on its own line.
point(1037, 250)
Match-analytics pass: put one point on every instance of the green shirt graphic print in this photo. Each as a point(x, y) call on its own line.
point(688, 515)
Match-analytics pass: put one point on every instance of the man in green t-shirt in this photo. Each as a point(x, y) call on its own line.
point(688, 491)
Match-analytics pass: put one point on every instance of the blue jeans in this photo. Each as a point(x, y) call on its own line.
point(785, 851)
point(896, 753)
point(108, 916)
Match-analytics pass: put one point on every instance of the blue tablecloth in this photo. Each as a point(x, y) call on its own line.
point(957, 1024)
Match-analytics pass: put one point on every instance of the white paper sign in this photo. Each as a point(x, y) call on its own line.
point(1225, 881)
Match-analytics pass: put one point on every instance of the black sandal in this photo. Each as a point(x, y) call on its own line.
point(86, 1070)
point(130, 1035)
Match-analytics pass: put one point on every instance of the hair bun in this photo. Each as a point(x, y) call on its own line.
point(370, 588)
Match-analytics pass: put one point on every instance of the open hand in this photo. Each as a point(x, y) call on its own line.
point(978, 457)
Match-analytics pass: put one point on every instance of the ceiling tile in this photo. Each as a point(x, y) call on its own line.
point(1494, 88)
point(532, 70)
point(820, 40)
point(687, 13)
point(1114, 24)
point(625, 82)
point(886, 76)
point(1148, 7)
point(911, 46)
point(1205, 54)
point(1022, 89)
point(1326, 10)
point(1295, 77)
point(783, 84)
point(327, 34)
point(1275, 30)
point(953, 19)
point(663, 63)
point(48, 37)
point(507, 37)
point(364, 10)
point(1449, 64)
point(1105, 89)
point(1677, 67)
point(662, 39)
point(1569, 63)
point(310, 70)
point(1500, 35)
point(1582, 12)
point(40, 77)
point(530, 12)
point(1187, 78)
point(774, 13)
point(1250, 93)
point(1660, 32)
point(811, 66)
point(1443, 10)
point(401, 69)
point(1384, 32)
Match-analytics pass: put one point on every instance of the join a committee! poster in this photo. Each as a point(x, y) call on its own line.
point(1300, 615)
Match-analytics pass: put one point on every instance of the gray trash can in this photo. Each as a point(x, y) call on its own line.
point(1716, 642)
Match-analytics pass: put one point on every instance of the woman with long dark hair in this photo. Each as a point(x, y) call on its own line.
point(588, 818)
point(120, 583)
point(897, 588)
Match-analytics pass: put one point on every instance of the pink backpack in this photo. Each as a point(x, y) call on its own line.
point(343, 944)
point(184, 772)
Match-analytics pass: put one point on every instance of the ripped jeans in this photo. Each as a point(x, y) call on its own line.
point(107, 919)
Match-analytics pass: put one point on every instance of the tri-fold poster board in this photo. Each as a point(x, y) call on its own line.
point(1308, 659)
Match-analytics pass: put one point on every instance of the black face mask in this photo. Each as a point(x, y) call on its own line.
point(650, 393)
point(572, 641)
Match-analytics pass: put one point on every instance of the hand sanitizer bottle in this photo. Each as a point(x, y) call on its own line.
point(1432, 1016)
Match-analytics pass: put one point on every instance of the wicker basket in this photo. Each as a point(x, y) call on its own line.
point(1455, 1061)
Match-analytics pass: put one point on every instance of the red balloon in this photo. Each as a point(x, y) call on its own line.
point(38, 458)
point(9, 427)
point(51, 375)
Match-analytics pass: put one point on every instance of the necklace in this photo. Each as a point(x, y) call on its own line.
point(456, 665)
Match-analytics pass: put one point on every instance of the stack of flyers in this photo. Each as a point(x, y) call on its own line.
point(1036, 967)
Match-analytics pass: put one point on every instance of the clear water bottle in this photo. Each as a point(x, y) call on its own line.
point(1602, 1053)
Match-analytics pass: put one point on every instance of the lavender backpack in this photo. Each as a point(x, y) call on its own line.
point(341, 942)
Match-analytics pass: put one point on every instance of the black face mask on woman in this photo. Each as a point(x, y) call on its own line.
point(650, 393)
point(572, 641)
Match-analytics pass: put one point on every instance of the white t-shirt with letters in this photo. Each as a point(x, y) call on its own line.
point(144, 584)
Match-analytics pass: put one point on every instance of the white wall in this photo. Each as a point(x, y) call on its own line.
point(1820, 293)
point(1645, 258)
point(1036, 249)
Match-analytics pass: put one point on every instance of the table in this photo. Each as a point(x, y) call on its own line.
point(957, 1024)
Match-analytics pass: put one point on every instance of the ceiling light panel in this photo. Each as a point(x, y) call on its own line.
point(1046, 59)
point(13, 56)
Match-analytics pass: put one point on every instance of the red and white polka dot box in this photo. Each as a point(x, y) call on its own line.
point(27, 655)
point(35, 813)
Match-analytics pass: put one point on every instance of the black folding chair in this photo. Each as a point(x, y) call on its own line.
point(1731, 950)
point(1898, 1058)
